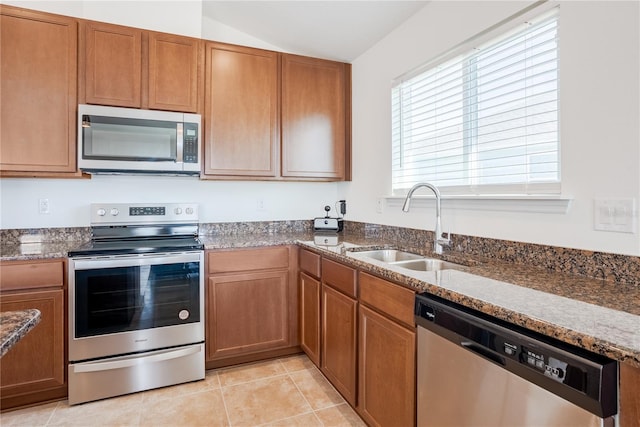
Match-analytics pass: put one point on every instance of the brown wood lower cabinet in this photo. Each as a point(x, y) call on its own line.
point(34, 369)
point(251, 305)
point(367, 338)
point(339, 341)
point(629, 395)
point(386, 392)
point(310, 317)
point(386, 353)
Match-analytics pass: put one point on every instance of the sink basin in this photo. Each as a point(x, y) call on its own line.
point(427, 264)
point(390, 255)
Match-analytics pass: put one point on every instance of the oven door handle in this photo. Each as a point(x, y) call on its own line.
point(137, 360)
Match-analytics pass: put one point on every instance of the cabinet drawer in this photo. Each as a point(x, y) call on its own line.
point(340, 277)
point(310, 262)
point(32, 274)
point(394, 300)
point(248, 259)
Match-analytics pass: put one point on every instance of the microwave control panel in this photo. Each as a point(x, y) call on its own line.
point(190, 147)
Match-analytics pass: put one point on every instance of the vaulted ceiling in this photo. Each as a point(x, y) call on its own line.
point(340, 30)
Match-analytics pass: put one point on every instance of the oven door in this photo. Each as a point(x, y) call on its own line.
point(132, 303)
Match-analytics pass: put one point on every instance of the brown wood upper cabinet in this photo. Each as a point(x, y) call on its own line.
point(314, 118)
point(129, 67)
point(174, 72)
point(241, 111)
point(38, 52)
point(275, 116)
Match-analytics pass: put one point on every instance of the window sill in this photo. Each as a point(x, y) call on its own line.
point(530, 204)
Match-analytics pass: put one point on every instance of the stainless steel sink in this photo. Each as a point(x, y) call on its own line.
point(390, 255)
point(427, 264)
point(409, 260)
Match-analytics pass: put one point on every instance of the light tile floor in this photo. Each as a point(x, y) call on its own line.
point(284, 392)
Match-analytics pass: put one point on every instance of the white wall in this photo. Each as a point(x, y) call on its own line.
point(219, 201)
point(599, 113)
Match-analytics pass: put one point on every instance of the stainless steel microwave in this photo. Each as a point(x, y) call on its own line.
point(128, 140)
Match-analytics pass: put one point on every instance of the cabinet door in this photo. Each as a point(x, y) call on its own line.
point(310, 317)
point(387, 369)
point(173, 72)
point(339, 343)
point(314, 131)
point(34, 370)
point(112, 65)
point(241, 111)
point(247, 313)
point(38, 86)
point(629, 395)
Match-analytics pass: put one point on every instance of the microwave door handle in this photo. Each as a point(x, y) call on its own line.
point(179, 142)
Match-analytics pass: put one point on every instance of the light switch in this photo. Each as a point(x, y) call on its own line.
point(617, 215)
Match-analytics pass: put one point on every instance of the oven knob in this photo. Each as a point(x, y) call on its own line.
point(183, 315)
point(178, 211)
point(189, 211)
point(115, 212)
point(101, 212)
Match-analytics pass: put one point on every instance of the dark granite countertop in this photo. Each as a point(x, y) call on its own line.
point(597, 315)
point(44, 250)
point(600, 316)
point(15, 325)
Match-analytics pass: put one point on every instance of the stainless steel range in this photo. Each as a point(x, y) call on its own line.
point(136, 301)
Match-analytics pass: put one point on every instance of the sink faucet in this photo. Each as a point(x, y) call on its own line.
point(438, 241)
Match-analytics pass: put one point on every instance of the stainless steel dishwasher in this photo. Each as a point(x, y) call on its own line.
point(474, 370)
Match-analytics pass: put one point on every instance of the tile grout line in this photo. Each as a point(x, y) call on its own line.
point(224, 402)
point(344, 402)
point(289, 418)
point(303, 395)
point(52, 413)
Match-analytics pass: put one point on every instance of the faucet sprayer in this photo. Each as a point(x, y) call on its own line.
point(438, 241)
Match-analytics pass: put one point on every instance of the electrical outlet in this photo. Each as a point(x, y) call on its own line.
point(260, 206)
point(43, 207)
point(379, 205)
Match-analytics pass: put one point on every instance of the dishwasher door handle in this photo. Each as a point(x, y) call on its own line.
point(476, 348)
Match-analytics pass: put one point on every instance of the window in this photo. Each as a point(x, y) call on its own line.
point(485, 121)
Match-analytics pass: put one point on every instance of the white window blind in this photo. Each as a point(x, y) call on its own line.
point(485, 121)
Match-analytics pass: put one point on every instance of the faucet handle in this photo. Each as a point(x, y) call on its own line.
point(445, 241)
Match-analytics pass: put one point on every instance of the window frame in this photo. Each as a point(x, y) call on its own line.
point(503, 29)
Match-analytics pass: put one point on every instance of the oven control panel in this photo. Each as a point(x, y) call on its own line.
point(143, 213)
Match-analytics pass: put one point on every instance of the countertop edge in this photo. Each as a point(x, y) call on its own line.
point(21, 322)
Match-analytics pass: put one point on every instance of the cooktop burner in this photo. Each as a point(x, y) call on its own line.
point(138, 246)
